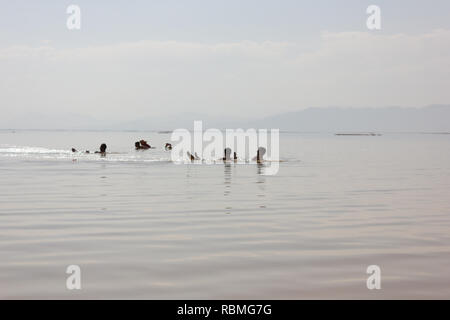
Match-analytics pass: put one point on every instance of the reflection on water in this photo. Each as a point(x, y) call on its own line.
point(260, 181)
point(165, 231)
point(227, 186)
point(227, 178)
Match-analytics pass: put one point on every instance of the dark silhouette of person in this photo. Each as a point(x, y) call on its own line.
point(193, 157)
point(137, 145)
point(260, 154)
point(102, 149)
point(190, 156)
point(226, 154)
point(168, 147)
point(235, 156)
point(144, 144)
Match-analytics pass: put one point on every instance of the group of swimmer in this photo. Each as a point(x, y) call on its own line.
point(227, 155)
point(102, 150)
point(143, 145)
point(139, 145)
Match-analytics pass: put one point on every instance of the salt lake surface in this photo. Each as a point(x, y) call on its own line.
point(140, 226)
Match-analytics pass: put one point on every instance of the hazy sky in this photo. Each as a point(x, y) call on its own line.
point(242, 58)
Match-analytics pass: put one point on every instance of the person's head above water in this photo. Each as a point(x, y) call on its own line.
point(144, 144)
point(190, 156)
point(103, 148)
point(137, 145)
point(260, 154)
point(262, 151)
point(74, 150)
point(226, 154)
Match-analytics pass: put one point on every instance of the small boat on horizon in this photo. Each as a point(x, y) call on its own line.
point(372, 134)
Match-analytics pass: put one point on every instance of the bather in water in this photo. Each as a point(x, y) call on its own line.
point(226, 154)
point(260, 155)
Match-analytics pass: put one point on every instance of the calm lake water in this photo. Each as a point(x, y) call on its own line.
point(142, 227)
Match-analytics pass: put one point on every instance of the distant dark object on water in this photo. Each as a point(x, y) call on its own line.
point(164, 132)
point(168, 147)
point(74, 150)
point(193, 157)
point(144, 144)
point(226, 154)
point(102, 149)
point(141, 145)
point(372, 134)
point(260, 154)
point(190, 156)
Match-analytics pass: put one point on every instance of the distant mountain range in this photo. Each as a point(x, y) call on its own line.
point(435, 118)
